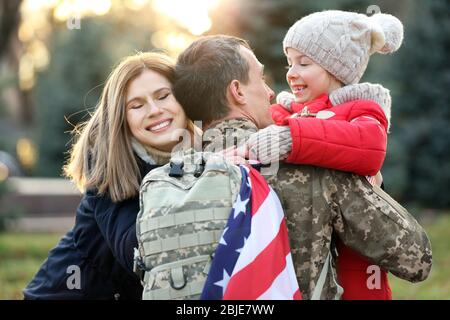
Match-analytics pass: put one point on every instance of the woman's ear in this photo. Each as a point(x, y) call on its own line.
point(235, 92)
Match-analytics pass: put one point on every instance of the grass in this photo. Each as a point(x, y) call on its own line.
point(22, 254)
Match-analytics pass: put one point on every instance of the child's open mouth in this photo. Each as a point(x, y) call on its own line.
point(298, 90)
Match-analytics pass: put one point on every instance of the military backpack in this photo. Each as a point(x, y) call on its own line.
point(184, 207)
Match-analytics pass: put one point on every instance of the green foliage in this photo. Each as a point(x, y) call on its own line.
point(421, 113)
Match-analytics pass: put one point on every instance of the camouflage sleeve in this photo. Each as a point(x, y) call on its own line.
point(227, 134)
point(369, 221)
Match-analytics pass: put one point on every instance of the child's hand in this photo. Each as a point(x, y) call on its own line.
point(285, 99)
point(269, 145)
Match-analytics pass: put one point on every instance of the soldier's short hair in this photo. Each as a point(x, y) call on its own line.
point(203, 72)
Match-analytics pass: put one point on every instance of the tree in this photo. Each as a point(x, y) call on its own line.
point(422, 114)
point(16, 101)
point(63, 94)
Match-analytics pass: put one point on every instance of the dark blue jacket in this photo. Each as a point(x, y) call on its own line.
point(101, 245)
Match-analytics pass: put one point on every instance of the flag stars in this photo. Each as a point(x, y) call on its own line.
point(224, 282)
point(222, 240)
point(239, 206)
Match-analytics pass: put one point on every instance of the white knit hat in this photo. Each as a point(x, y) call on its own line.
point(342, 42)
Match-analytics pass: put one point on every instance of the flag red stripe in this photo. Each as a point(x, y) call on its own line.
point(265, 226)
point(260, 190)
point(254, 279)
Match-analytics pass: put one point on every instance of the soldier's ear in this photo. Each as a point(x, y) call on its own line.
point(235, 93)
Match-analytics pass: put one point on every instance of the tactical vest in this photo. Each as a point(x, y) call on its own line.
point(184, 207)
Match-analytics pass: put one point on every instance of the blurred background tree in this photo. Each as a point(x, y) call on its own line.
point(64, 51)
point(419, 152)
point(66, 91)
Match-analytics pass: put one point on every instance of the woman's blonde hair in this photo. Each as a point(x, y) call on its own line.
point(102, 155)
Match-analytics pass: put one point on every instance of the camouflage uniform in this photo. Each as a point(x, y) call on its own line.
point(180, 222)
point(318, 202)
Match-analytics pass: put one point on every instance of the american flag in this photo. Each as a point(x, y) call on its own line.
point(253, 258)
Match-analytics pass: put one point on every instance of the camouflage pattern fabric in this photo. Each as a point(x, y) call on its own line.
point(318, 202)
point(180, 223)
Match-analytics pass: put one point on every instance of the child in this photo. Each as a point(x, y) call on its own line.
point(335, 122)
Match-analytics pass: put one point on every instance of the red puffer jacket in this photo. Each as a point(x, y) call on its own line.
point(360, 279)
point(349, 137)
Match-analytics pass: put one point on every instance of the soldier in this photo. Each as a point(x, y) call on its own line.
point(220, 82)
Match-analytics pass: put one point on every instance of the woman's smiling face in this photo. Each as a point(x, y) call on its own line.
point(154, 116)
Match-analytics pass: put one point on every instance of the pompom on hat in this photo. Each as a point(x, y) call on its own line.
point(342, 42)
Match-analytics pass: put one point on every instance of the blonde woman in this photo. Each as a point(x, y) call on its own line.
point(134, 128)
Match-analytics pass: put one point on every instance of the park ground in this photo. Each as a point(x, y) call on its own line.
point(21, 254)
